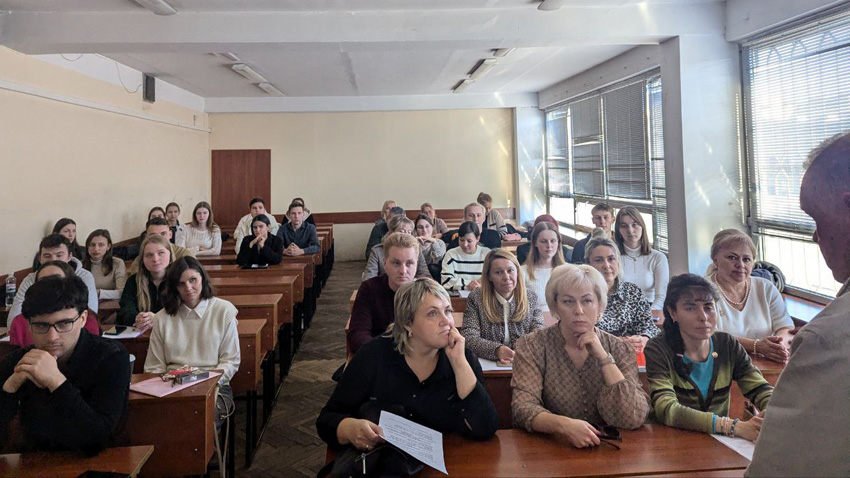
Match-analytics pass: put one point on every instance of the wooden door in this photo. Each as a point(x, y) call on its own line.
point(237, 176)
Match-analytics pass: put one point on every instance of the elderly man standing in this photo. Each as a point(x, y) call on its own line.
point(806, 431)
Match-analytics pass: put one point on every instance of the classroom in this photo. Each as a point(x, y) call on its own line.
point(545, 160)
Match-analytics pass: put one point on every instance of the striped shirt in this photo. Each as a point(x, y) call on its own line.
point(459, 269)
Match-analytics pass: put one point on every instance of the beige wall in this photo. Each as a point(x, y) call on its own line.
point(354, 161)
point(104, 170)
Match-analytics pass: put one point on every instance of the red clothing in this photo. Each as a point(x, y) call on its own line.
point(372, 312)
point(20, 334)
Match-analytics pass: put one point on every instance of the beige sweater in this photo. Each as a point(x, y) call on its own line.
point(109, 287)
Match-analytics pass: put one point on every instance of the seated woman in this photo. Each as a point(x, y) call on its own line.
point(140, 299)
point(420, 368)
point(261, 247)
point(752, 309)
point(690, 367)
point(627, 313)
point(110, 273)
point(194, 328)
point(462, 265)
point(67, 228)
point(546, 254)
point(438, 224)
point(172, 216)
point(201, 236)
point(570, 377)
point(19, 331)
point(501, 310)
point(642, 266)
point(432, 247)
point(375, 264)
point(524, 249)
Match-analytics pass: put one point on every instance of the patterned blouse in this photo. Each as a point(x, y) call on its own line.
point(627, 313)
point(484, 337)
point(545, 380)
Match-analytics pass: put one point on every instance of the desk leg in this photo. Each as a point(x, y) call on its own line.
point(250, 427)
point(284, 340)
point(298, 327)
point(231, 447)
point(268, 385)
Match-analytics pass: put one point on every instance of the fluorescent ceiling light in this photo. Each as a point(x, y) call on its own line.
point(462, 86)
point(270, 89)
point(160, 7)
point(227, 57)
point(502, 52)
point(247, 72)
point(549, 5)
point(483, 68)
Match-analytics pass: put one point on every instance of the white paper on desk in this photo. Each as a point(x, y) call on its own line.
point(420, 442)
point(128, 333)
point(488, 365)
point(5, 339)
point(739, 445)
point(464, 293)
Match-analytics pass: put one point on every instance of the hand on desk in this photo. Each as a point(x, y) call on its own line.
point(293, 250)
point(473, 285)
point(579, 433)
point(512, 237)
point(749, 429)
point(505, 355)
point(39, 367)
point(773, 348)
point(144, 321)
point(363, 434)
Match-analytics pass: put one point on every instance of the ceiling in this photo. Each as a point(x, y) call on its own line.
point(354, 48)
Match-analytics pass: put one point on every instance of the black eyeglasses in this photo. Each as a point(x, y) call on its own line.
point(62, 326)
point(608, 433)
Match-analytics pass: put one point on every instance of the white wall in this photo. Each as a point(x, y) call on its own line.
point(745, 18)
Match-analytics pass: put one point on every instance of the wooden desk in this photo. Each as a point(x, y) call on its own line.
point(180, 426)
point(127, 461)
point(284, 285)
point(261, 306)
point(105, 309)
point(652, 449)
point(802, 311)
point(287, 269)
point(458, 303)
point(514, 243)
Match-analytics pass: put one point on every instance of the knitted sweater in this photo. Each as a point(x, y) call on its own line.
point(459, 269)
point(194, 239)
point(676, 399)
point(109, 286)
point(538, 285)
point(649, 272)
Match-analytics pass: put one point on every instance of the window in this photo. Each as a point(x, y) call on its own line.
point(797, 94)
point(608, 146)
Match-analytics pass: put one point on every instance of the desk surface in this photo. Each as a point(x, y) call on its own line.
point(124, 460)
point(653, 449)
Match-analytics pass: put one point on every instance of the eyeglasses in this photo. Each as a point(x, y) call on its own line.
point(62, 326)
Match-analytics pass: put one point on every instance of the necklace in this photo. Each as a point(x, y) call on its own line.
point(736, 304)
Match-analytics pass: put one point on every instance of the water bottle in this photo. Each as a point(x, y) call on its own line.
point(11, 288)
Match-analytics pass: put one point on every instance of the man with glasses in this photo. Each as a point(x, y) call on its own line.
point(70, 387)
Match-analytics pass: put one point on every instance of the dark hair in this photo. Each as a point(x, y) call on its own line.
point(683, 286)
point(257, 200)
point(106, 262)
point(67, 269)
point(468, 227)
point(397, 210)
point(294, 204)
point(157, 221)
point(301, 200)
point(62, 223)
point(603, 206)
point(170, 294)
point(483, 197)
point(262, 218)
point(172, 204)
point(156, 208)
point(54, 294)
point(53, 241)
point(422, 217)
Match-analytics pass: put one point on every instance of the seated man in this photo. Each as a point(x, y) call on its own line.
point(299, 237)
point(159, 227)
point(603, 216)
point(493, 218)
point(54, 247)
point(308, 216)
point(475, 212)
point(70, 386)
point(243, 229)
point(381, 227)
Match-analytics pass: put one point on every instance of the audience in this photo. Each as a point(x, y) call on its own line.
point(523, 250)
point(627, 314)
point(54, 247)
point(438, 224)
point(642, 266)
point(141, 299)
point(299, 237)
point(501, 310)
point(202, 236)
point(109, 273)
point(172, 215)
point(156, 211)
point(420, 370)
point(381, 227)
point(159, 227)
point(690, 367)
point(262, 247)
point(474, 212)
point(462, 265)
point(308, 216)
point(245, 226)
point(432, 247)
point(70, 390)
point(546, 254)
point(602, 216)
point(375, 264)
point(752, 309)
point(571, 377)
point(372, 312)
point(68, 228)
point(494, 220)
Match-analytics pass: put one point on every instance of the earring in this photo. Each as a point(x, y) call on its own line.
point(409, 334)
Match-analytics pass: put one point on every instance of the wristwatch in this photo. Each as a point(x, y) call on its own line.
point(608, 360)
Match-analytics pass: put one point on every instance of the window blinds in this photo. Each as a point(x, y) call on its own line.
point(586, 127)
point(625, 141)
point(557, 164)
point(656, 155)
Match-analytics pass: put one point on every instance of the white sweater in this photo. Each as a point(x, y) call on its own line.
point(538, 285)
point(194, 239)
point(650, 272)
point(764, 312)
point(203, 337)
point(460, 269)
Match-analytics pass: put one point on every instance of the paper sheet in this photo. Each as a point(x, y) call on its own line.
point(128, 333)
point(464, 293)
point(420, 442)
point(157, 388)
point(739, 445)
point(5, 339)
point(487, 365)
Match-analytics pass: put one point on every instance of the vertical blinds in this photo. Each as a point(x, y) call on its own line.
point(557, 163)
point(586, 127)
point(798, 95)
point(625, 141)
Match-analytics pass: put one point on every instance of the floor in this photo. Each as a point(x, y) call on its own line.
point(290, 446)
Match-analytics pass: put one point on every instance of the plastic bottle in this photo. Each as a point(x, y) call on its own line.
point(11, 289)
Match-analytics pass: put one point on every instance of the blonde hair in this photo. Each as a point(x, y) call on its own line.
point(143, 276)
point(599, 238)
point(488, 292)
point(569, 277)
point(407, 300)
point(728, 238)
point(473, 204)
point(399, 239)
point(384, 208)
point(533, 255)
point(397, 221)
